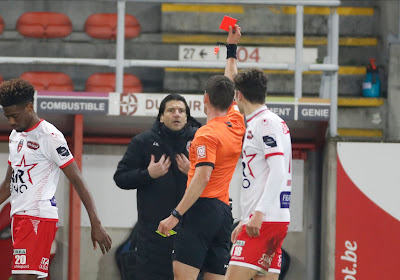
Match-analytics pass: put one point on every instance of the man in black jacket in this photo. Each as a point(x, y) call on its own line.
point(156, 164)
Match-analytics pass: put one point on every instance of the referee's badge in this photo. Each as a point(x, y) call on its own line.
point(201, 151)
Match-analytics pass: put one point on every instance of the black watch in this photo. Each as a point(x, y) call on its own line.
point(176, 214)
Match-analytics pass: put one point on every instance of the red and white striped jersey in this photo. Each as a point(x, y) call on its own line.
point(266, 135)
point(36, 157)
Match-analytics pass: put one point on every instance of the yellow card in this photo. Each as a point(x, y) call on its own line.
point(171, 232)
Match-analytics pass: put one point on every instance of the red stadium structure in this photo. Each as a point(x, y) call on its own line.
point(1, 25)
point(44, 25)
point(51, 81)
point(104, 26)
point(105, 82)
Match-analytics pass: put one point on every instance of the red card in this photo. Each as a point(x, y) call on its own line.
point(226, 22)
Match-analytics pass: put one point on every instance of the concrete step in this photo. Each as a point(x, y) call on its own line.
point(266, 19)
point(281, 82)
point(362, 118)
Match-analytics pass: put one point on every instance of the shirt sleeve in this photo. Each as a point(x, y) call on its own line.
point(204, 150)
point(56, 149)
point(269, 138)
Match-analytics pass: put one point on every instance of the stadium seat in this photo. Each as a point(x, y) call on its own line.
point(44, 25)
point(105, 82)
point(104, 26)
point(1, 79)
point(1, 25)
point(51, 81)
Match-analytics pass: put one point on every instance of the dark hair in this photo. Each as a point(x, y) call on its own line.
point(252, 83)
point(16, 92)
point(170, 97)
point(221, 91)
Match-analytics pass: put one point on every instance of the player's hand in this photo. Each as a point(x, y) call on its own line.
point(167, 224)
point(254, 224)
point(234, 35)
point(160, 168)
point(183, 163)
point(235, 232)
point(100, 236)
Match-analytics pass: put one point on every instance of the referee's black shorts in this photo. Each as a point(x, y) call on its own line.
point(203, 239)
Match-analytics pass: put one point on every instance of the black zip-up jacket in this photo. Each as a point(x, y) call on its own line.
point(155, 197)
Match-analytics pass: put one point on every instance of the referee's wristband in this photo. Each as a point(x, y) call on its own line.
point(231, 51)
point(176, 214)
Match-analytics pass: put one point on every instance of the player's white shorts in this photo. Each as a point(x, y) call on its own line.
point(262, 253)
point(32, 239)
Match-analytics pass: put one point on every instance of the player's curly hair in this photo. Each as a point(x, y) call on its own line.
point(252, 83)
point(16, 92)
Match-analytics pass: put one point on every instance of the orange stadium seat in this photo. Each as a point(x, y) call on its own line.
point(44, 25)
point(105, 82)
point(1, 25)
point(51, 81)
point(104, 26)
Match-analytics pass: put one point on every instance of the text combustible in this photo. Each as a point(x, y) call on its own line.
point(73, 106)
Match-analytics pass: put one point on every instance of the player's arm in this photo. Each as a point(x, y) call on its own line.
point(275, 179)
point(5, 186)
point(199, 181)
point(232, 41)
point(99, 234)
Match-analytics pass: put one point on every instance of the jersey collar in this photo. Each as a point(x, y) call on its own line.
point(33, 127)
point(255, 113)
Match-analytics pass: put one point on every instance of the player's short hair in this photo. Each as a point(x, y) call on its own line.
point(170, 97)
point(16, 92)
point(221, 91)
point(252, 83)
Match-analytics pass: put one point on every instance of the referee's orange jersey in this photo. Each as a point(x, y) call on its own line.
point(218, 144)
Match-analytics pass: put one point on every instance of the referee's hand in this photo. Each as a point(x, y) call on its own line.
point(167, 224)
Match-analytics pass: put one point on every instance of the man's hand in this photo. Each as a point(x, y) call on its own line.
point(160, 168)
point(235, 232)
point(254, 224)
point(100, 235)
point(183, 163)
point(234, 35)
point(167, 224)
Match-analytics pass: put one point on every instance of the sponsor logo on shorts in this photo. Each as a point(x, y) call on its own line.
point(44, 264)
point(63, 152)
point(266, 260)
point(269, 141)
point(201, 151)
point(19, 251)
point(285, 199)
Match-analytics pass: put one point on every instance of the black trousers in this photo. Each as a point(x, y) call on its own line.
point(153, 255)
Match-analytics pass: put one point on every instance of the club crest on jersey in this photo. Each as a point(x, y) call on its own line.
point(201, 151)
point(249, 135)
point(63, 151)
point(20, 144)
point(269, 141)
point(32, 145)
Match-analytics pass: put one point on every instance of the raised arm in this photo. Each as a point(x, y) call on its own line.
point(232, 41)
point(99, 234)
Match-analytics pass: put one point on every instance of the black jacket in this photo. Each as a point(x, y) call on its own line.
point(155, 197)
